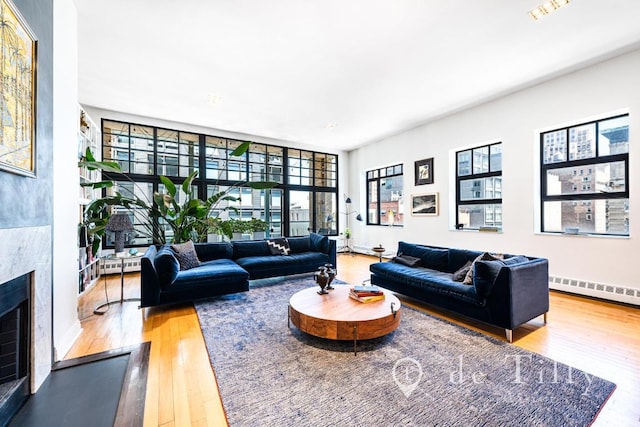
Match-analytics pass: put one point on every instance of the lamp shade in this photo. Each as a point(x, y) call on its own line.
point(118, 224)
point(359, 217)
point(347, 200)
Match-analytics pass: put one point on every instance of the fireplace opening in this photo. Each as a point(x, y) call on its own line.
point(14, 346)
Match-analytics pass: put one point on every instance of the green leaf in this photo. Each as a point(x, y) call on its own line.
point(103, 166)
point(89, 155)
point(169, 185)
point(186, 184)
point(96, 185)
point(242, 148)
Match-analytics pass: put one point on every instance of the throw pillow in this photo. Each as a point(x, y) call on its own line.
point(461, 273)
point(186, 255)
point(279, 246)
point(407, 260)
point(468, 279)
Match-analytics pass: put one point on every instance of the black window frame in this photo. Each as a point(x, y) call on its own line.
point(201, 181)
point(481, 175)
point(375, 176)
point(589, 162)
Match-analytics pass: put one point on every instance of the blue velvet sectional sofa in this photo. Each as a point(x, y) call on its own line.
point(226, 268)
point(504, 293)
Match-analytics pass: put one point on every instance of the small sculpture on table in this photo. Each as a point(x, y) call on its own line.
point(322, 279)
point(332, 275)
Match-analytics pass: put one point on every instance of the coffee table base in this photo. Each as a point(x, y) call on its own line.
point(344, 323)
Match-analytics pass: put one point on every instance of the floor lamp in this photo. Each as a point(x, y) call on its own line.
point(347, 231)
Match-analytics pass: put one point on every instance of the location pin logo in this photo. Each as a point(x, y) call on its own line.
point(407, 373)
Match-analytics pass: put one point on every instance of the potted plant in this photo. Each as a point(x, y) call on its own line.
point(258, 228)
point(239, 228)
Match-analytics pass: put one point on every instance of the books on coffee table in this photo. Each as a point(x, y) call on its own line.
point(366, 294)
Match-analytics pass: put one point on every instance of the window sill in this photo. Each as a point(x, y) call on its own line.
point(603, 236)
point(475, 230)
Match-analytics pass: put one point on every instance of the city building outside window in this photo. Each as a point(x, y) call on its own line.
point(585, 178)
point(385, 189)
point(479, 187)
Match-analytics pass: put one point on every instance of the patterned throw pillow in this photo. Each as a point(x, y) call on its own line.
point(468, 280)
point(279, 246)
point(186, 255)
point(459, 275)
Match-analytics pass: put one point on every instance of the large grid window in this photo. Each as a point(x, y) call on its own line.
point(585, 178)
point(479, 187)
point(304, 200)
point(385, 187)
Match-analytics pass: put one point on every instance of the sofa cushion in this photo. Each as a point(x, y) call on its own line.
point(186, 255)
point(486, 272)
point(166, 265)
point(425, 279)
point(459, 257)
point(209, 273)
point(461, 273)
point(299, 244)
point(210, 251)
point(319, 243)
point(272, 266)
point(279, 246)
point(407, 260)
point(250, 248)
point(486, 256)
point(434, 258)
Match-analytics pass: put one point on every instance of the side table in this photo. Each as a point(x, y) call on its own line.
point(122, 298)
point(379, 250)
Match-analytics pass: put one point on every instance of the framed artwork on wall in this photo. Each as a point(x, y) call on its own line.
point(18, 91)
point(424, 171)
point(424, 204)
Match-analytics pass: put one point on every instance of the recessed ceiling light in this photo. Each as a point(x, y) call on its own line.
point(331, 125)
point(546, 8)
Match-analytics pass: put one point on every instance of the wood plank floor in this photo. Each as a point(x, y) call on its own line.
point(598, 337)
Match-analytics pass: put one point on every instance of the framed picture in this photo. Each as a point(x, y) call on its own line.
point(18, 90)
point(424, 171)
point(424, 204)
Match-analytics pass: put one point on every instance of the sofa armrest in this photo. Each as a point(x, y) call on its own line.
point(149, 283)
point(521, 292)
point(332, 251)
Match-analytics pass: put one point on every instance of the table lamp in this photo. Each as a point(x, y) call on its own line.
point(118, 224)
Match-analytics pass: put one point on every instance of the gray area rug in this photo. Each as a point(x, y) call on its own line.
point(429, 372)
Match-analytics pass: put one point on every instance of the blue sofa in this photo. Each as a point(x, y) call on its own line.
point(504, 293)
point(226, 268)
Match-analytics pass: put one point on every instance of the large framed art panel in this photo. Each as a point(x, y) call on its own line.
point(18, 91)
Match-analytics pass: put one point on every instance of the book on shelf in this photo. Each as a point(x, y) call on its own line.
point(366, 299)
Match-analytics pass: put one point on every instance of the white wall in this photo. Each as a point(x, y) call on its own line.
point(606, 87)
point(66, 326)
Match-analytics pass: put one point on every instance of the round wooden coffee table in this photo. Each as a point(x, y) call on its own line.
point(335, 316)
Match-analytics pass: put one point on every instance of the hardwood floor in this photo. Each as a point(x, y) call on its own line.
point(598, 337)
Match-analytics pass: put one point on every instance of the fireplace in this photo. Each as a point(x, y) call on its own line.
point(15, 319)
point(27, 255)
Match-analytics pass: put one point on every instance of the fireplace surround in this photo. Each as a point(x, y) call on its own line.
point(27, 251)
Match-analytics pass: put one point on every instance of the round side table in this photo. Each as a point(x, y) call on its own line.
point(379, 250)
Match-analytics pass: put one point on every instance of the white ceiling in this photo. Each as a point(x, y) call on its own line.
point(287, 69)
